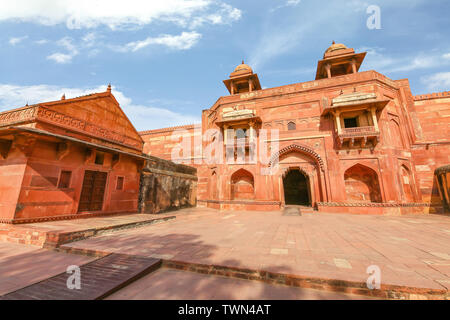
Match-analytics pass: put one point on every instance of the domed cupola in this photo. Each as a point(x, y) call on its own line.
point(242, 80)
point(339, 60)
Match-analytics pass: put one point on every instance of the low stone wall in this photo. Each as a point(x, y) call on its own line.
point(167, 186)
point(389, 209)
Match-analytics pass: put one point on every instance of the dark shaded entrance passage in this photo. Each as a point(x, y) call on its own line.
point(296, 188)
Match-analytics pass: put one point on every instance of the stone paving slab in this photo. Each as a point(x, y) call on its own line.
point(411, 251)
point(52, 234)
point(99, 279)
point(169, 284)
point(23, 265)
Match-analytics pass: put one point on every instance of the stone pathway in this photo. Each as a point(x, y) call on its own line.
point(98, 279)
point(53, 233)
point(22, 265)
point(411, 251)
point(168, 284)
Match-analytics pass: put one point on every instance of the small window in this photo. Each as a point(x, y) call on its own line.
point(99, 158)
point(351, 122)
point(119, 185)
point(64, 179)
point(292, 126)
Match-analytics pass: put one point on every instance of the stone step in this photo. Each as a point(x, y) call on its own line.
point(39, 234)
point(99, 279)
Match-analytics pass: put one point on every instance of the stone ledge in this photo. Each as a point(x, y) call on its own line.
point(255, 202)
point(371, 204)
point(386, 291)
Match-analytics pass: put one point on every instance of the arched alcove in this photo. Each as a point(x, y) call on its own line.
point(396, 135)
point(406, 182)
point(361, 184)
point(242, 185)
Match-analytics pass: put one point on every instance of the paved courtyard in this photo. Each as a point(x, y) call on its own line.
point(168, 284)
point(410, 251)
point(22, 265)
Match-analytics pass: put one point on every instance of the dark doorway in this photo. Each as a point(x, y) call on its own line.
point(296, 188)
point(93, 191)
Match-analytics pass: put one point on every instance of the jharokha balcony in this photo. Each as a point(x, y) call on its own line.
point(355, 118)
point(359, 135)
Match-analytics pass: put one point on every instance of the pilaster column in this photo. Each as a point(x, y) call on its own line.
point(328, 68)
point(337, 116)
point(374, 118)
point(252, 131)
point(250, 85)
point(225, 134)
point(354, 66)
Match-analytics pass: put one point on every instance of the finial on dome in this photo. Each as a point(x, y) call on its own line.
point(333, 42)
point(63, 96)
point(243, 61)
point(109, 88)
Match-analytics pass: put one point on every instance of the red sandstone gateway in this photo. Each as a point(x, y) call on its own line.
point(348, 141)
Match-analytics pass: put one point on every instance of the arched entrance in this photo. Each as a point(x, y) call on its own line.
point(296, 188)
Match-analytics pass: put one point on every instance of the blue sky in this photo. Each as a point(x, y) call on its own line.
point(166, 59)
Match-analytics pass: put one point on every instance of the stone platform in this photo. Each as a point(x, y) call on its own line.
point(98, 279)
point(54, 233)
point(314, 250)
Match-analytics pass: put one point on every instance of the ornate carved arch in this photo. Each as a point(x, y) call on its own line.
point(298, 148)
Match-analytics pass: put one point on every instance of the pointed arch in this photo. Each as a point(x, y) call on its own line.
point(296, 147)
point(406, 182)
point(362, 184)
point(242, 185)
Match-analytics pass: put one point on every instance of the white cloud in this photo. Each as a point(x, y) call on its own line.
point(288, 3)
point(184, 41)
point(41, 42)
point(446, 55)
point(143, 117)
point(437, 82)
point(378, 60)
point(14, 41)
point(77, 14)
point(225, 15)
point(64, 58)
point(60, 58)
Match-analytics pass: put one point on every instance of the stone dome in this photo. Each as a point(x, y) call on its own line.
point(243, 68)
point(335, 47)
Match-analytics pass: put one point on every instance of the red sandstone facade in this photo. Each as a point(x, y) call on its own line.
point(68, 158)
point(348, 141)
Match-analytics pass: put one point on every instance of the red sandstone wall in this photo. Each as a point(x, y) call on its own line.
point(11, 175)
point(432, 150)
point(41, 197)
point(395, 161)
point(160, 142)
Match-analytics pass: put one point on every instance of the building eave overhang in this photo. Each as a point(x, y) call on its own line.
point(359, 101)
point(33, 131)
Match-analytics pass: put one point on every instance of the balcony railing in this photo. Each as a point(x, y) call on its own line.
point(359, 135)
point(359, 131)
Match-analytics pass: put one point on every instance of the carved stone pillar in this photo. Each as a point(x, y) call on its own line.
point(328, 68)
point(337, 117)
point(354, 66)
point(374, 119)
